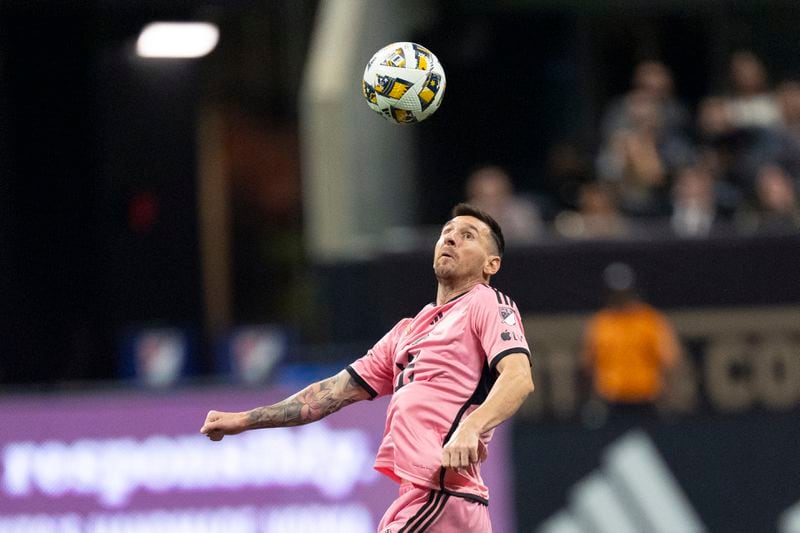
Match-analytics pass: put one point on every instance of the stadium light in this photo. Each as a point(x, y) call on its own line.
point(177, 39)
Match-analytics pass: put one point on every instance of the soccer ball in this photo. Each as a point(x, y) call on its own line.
point(404, 82)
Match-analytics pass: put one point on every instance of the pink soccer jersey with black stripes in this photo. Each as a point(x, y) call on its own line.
point(438, 367)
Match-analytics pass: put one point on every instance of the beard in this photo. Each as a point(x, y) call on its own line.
point(445, 270)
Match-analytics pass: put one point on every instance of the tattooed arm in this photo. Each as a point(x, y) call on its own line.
point(316, 401)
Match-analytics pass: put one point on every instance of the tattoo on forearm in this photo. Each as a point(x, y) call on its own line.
point(309, 405)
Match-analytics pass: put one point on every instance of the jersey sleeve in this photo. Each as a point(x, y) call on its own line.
point(375, 370)
point(497, 323)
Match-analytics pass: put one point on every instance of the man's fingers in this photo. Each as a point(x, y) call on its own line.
point(451, 458)
point(211, 417)
point(446, 458)
point(464, 458)
point(473, 456)
point(456, 459)
point(459, 458)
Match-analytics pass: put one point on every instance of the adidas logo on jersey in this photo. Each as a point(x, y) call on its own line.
point(437, 318)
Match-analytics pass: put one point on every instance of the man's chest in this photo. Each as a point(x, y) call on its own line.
point(434, 346)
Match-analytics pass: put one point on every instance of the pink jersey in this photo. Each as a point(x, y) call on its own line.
point(439, 366)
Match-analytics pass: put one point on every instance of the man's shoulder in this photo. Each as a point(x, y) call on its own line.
point(489, 294)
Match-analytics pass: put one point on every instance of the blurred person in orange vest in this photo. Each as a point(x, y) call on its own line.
point(630, 349)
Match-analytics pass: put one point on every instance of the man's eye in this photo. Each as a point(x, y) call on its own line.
point(467, 235)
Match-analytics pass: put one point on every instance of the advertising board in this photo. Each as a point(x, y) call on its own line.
point(135, 462)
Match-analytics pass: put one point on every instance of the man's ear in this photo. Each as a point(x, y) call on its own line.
point(492, 265)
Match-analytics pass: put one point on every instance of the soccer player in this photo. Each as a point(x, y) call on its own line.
point(455, 371)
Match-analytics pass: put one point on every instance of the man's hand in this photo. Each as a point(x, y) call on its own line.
point(463, 449)
point(513, 385)
point(218, 424)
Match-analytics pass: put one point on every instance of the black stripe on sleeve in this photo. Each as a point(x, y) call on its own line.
point(497, 293)
point(503, 299)
point(361, 382)
point(504, 353)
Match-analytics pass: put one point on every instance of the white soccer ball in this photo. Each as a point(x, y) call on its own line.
point(404, 82)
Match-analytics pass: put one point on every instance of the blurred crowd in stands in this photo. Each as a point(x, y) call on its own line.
point(730, 166)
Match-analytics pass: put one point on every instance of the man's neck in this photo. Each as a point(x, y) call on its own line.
point(446, 291)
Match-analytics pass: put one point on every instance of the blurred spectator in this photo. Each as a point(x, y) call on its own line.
point(788, 95)
point(751, 103)
point(567, 167)
point(735, 154)
point(641, 156)
point(789, 102)
point(714, 119)
point(597, 217)
point(653, 79)
point(694, 209)
point(719, 145)
point(489, 188)
point(746, 129)
point(777, 209)
point(630, 348)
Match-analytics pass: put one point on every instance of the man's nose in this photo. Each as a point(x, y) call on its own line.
point(450, 240)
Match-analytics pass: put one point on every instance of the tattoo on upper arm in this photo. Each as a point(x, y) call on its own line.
point(310, 404)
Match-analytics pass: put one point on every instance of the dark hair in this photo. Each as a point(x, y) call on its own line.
point(467, 210)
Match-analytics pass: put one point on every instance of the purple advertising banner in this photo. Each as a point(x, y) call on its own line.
point(134, 462)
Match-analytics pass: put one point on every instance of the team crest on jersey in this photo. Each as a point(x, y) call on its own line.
point(508, 316)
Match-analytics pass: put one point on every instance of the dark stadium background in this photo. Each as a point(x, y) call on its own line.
point(98, 201)
point(80, 127)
